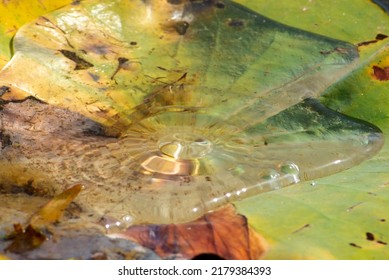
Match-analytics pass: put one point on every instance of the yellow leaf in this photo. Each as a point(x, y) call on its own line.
point(54, 209)
point(16, 13)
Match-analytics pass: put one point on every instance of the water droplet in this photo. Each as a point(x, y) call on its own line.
point(128, 219)
point(271, 175)
point(290, 168)
point(113, 225)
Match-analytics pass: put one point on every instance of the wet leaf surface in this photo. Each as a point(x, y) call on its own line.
point(15, 14)
point(140, 111)
point(335, 227)
point(340, 209)
point(223, 233)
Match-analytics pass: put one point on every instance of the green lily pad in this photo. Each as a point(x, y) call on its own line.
point(343, 216)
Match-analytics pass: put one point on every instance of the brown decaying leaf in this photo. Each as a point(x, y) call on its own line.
point(224, 233)
point(32, 237)
point(53, 210)
point(25, 240)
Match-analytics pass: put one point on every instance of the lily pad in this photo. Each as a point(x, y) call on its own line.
point(343, 216)
point(17, 13)
point(166, 111)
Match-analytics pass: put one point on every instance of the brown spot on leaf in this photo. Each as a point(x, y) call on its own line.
point(223, 233)
point(381, 36)
point(125, 64)
point(81, 64)
point(354, 206)
point(220, 5)
point(122, 62)
point(235, 22)
point(382, 220)
point(365, 43)
point(25, 240)
point(370, 236)
point(302, 228)
point(181, 27)
point(4, 89)
point(355, 245)
point(380, 74)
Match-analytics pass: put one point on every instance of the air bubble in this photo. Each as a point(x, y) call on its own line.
point(271, 175)
point(128, 219)
point(290, 168)
point(113, 225)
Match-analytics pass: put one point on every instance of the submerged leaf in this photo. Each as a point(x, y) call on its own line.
point(207, 104)
point(31, 237)
point(53, 210)
point(25, 240)
point(222, 233)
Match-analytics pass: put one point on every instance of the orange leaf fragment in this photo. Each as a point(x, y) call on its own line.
point(224, 233)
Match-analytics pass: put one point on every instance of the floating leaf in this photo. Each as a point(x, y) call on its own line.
point(15, 14)
point(331, 216)
point(223, 233)
point(207, 104)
